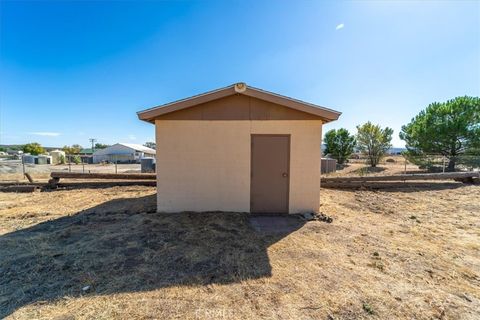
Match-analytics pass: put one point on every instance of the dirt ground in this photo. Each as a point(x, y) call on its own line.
point(103, 253)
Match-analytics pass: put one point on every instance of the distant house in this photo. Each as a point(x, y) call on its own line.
point(36, 159)
point(86, 155)
point(57, 156)
point(123, 153)
point(86, 152)
point(14, 152)
point(396, 151)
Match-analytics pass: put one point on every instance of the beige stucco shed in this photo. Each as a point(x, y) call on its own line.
point(239, 149)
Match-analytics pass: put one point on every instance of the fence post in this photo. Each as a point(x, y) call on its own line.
point(405, 169)
point(69, 163)
point(443, 170)
point(83, 166)
point(23, 166)
point(116, 164)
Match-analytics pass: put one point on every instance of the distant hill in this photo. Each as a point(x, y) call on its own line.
point(396, 150)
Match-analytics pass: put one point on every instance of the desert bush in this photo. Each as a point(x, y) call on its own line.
point(374, 142)
point(339, 144)
point(76, 159)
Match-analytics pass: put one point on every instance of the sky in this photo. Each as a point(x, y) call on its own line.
point(74, 70)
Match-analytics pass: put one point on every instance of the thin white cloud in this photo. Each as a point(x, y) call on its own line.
point(340, 26)
point(132, 137)
point(46, 134)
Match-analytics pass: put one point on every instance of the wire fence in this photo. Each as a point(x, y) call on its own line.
point(16, 169)
point(426, 163)
point(439, 163)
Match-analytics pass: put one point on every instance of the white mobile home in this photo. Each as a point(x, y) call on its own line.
point(123, 153)
point(36, 159)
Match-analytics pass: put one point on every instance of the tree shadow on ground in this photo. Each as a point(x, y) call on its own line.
point(342, 166)
point(124, 246)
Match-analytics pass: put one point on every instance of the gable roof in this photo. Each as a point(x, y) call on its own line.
point(114, 149)
point(138, 147)
point(86, 151)
point(326, 114)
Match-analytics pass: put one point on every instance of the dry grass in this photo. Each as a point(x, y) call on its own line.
point(360, 167)
point(396, 254)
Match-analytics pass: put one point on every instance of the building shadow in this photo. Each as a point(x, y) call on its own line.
point(124, 246)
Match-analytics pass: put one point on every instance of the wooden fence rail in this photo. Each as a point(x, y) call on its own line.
point(139, 177)
point(461, 176)
point(112, 176)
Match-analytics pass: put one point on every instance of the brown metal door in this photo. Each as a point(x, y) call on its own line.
point(270, 173)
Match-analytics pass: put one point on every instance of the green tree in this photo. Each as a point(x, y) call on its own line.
point(151, 145)
point(67, 149)
point(339, 144)
point(374, 141)
point(33, 148)
point(449, 128)
point(101, 146)
point(74, 149)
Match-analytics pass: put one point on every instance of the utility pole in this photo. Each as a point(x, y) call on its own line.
point(93, 140)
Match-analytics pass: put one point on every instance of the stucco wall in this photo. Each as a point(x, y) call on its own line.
point(205, 165)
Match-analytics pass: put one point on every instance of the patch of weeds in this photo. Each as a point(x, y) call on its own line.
point(368, 308)
point(362, 171)
point(378, 265)
point(415, 218)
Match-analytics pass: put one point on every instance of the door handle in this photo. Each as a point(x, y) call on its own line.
point(284, 174)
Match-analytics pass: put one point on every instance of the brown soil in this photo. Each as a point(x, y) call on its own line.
point(104, 253)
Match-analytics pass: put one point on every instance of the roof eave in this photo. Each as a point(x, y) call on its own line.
point(149, 114)
point(326, 114)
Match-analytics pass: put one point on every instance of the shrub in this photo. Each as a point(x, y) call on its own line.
point(374, 142)
point(76, 159)
point(339, 144)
